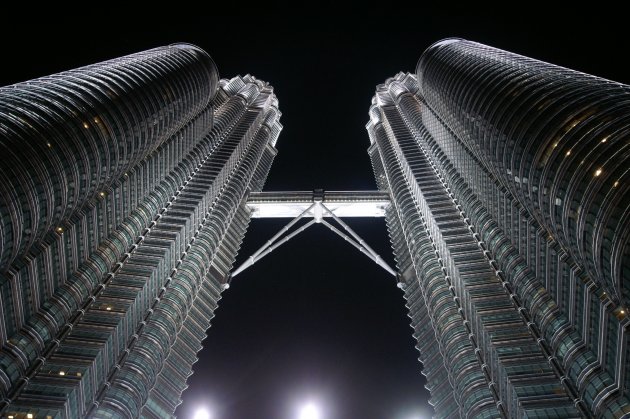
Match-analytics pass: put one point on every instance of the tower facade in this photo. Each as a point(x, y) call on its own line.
point(122, 207)
point(510, 222)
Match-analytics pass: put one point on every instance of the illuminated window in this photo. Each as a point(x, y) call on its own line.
point(620, 313)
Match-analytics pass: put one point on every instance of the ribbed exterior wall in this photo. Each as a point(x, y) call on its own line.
point(555, 138)
point(205, 265)
point(69, 136)
point(435, 371)
point(519, 153)
point(105, 309)
point(468, 384)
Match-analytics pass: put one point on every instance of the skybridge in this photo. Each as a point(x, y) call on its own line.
point(318, 207)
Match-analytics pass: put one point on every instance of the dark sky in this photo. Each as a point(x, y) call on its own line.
point(316, 320)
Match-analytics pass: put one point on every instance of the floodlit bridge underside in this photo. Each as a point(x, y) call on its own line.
point(319, 207)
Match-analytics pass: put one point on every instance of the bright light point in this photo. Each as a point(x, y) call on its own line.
point(310, 411)
point(202, 413)
point(598, 172)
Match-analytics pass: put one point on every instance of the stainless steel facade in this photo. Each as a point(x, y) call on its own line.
point(510, 224)
point(122, 206)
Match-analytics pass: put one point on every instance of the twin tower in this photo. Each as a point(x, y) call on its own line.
point(126, 188)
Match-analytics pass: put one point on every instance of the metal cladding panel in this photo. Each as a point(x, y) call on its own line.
point(144, 218)
point(555, 138)
point(69, 136)
point(518, 152)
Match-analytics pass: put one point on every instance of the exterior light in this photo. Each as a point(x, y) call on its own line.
point(49, 145)
point(108, 308)
point(622, 312)
point(59, 230)
point(569, 153)
point(102, 193)
point(10, 417)
point(62, 373)
point(86, 125)
point(310, 411)
point(202, 413)
point(598, 172)
point(616, 184)
point(29, 416)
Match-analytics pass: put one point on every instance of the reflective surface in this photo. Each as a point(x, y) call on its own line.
point(122, 211)
point(509, 227)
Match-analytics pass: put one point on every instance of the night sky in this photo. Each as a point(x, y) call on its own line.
point(316, 320)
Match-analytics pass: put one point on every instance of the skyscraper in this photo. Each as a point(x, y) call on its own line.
point(510, 221)
point(122, 206)
point(124, 198)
